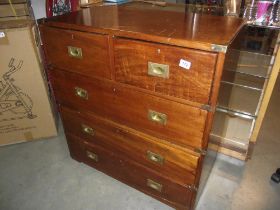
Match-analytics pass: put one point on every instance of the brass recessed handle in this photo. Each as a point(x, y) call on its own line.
point(92, 156)
point(75, 52)
point(157, 117)
point(88, 130)
point(82, 93)
point(155, 157)
point(158, 70)
point(154, 185)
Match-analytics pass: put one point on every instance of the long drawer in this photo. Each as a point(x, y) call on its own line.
point(131, 173)
point(175, 122)
point(180, 72)
point(178, 164)
point(72, 52)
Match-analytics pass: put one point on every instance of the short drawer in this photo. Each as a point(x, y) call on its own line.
point(178, 164)
point(179, 72)
point(70, 50)
point(174, 122)
point(132, 173)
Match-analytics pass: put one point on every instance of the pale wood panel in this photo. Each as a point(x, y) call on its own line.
point(267, 94)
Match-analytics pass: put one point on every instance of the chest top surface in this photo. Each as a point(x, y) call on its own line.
point(179, 28)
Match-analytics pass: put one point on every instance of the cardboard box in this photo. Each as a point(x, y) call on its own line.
point(13, 1)
point(13, 10)
point(25, 110)
point(8, 19)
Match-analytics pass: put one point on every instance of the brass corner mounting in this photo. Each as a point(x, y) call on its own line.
point(192, 188)
point(207, 107)
point(200, 151)
point(219, 48)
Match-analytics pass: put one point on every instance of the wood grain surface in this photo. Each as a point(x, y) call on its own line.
point(193, 83)
point(95, 59)
point(183, 28)
point(178, 164)
point(131, 173)
point(115, 93)
point(185, 125)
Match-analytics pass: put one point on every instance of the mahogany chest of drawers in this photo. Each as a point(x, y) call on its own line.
point(137, 90)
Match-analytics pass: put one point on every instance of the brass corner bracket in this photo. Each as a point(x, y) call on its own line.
point(219, 48)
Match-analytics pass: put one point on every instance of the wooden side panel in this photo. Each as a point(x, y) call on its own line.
point(177, 163)
point(131, 173)
point(207, 162)
point(191, 82)
point(267, 93)
point(95, 59)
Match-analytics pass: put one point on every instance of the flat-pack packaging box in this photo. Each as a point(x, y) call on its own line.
point(13, 1)
point(25, 109)
point(14, 10)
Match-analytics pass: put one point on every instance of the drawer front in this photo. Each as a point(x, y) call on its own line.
point(70, 51)
point(131, 173)
point(172, 162)
point(171, 121)
point(156, 67)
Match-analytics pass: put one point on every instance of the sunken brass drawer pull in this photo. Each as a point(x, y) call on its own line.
point(92, 156)
point(88, 130)
point(81, 93)
point(157, 117)
point(75, 52)
point(154, 185)
point(155, 157)
point(158, 70)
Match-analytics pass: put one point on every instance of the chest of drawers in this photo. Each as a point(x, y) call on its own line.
point(137, 94)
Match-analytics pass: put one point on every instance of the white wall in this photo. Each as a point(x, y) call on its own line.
point(39, 8)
